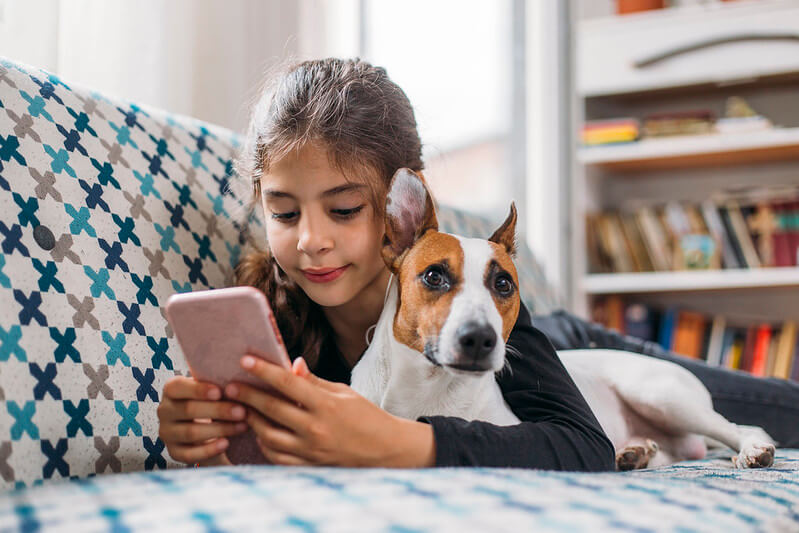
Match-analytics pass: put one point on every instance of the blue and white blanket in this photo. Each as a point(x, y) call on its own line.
point(707, 495)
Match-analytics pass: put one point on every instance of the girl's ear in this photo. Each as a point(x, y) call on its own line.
point(506, 233)
point(410, 213)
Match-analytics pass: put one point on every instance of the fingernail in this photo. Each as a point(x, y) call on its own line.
point(232, 391)
point(221, 444)
point(214, 394)
point(241, 426)
point(247, 361)
point(238, 412)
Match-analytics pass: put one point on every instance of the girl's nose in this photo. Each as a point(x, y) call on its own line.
point(315, 235)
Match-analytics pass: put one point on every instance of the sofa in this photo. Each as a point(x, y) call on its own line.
point(107, 208)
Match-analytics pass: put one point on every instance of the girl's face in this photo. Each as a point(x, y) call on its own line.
point(321, 229)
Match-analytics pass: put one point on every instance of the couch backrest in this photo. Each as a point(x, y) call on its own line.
point(106, 209)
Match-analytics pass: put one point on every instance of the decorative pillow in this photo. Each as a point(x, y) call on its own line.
point(106, 209)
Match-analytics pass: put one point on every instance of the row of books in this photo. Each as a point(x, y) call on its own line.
point(724, 232)
point(738, 117)
point(760, 349)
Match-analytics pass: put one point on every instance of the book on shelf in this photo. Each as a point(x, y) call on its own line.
point(723, 232)
point(763, 349)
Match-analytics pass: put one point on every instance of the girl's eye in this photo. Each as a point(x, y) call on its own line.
point(348, 213)
point(284, 216)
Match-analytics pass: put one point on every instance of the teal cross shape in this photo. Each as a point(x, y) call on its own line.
point(219, 207)
point(9, 344)
point(147, 184)
point(167, 237)
point(159, 348)
point(99, 282)
point(204, 250)
point(116, 352)
point(60, 159)
point(186, 287)
point(234, 251)
point(23, 419)
point(126, 229)
point(48, 278)
point(128, 415)
point(28, 210)
point(196, 159)
point(123, 135)
point(65, 345)
point(80, 220)
point(5, 281)
point(36, 106)
point(144, 294)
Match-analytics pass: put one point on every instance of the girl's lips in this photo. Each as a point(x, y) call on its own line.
point(327, 276)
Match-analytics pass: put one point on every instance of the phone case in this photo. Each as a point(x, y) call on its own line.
point(214, 329)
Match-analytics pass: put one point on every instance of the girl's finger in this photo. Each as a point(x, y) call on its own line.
point(283, 411)
point(282, 380)
point(195, 454)
point(194, 433)
point(273, 437)
point(280, 458)
point(186, 388)
point(189, 410)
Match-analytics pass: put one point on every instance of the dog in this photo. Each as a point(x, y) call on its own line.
point(450, 306)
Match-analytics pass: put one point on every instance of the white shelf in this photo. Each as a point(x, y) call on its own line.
point(696, 150)
point(691, 281)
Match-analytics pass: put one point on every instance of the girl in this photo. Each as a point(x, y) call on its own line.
point(322, 146)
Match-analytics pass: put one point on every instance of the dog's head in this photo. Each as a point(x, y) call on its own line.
point(459, 297)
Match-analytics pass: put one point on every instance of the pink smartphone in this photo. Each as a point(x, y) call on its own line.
point(215, 329)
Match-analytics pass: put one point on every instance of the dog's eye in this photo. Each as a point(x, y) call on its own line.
point(503, 285)
point(435, 278)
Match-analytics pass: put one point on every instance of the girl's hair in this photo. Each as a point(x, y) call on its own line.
point(367, 125)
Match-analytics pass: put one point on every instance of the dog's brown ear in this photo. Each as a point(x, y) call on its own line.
point(410, 212)
point(506, 234)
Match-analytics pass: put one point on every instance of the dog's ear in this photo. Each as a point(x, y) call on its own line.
point(410, 213)
point(506, 234)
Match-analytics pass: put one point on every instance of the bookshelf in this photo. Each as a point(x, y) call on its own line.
point(688, 168)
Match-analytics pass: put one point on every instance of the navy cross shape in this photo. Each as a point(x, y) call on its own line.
point(71, 140)
point(55, 458)
point(94, 195)
point(44, 381)
point(155, 457)
point(113, 255)
point(131, 315)
point(30, 307)
point(195, 269)
point(12, 239)
point(77, 416)
point(47, 90)
point(145, 380)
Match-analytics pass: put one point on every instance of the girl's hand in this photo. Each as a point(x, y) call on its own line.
point(311, 421)
point(193, 423)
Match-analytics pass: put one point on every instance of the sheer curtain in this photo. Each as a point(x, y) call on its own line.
point(204, 58)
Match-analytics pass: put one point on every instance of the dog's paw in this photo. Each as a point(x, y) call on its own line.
point(633, 457)
point(755, 455)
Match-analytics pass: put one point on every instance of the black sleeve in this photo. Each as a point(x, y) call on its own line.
point(558, 430)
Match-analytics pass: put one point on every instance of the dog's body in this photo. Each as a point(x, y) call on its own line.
point(441, 338)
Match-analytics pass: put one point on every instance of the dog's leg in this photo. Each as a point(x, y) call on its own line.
point(635, 456)
point(687, 410)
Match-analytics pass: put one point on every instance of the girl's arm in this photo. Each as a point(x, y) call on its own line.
point(558, 430)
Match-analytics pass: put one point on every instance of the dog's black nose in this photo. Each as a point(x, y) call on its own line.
point(476, 340)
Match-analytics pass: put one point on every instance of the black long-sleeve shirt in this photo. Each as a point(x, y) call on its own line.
point(558, 431)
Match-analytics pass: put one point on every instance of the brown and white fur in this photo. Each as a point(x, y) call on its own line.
point(438, 344)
